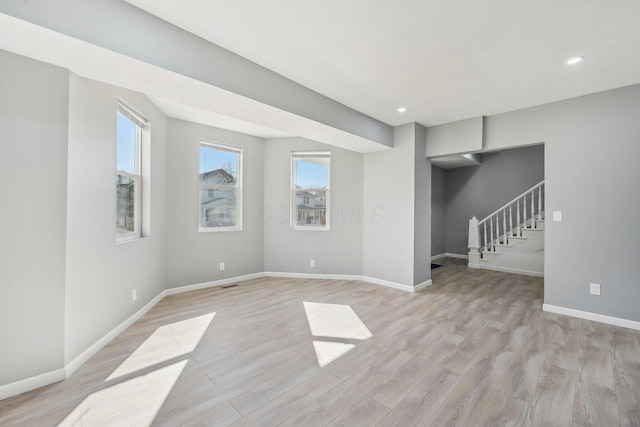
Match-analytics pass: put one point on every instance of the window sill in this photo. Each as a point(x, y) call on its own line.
point(127, 239)
point(218, 229)
point(302, 228)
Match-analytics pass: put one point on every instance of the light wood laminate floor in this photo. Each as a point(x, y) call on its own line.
point(474, 349)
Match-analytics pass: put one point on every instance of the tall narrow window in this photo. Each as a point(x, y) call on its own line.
point(130, 128)
point(220, 187)
point(310, 178)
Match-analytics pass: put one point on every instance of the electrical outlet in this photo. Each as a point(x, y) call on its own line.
point(313, 263)
point(594, 288)
point(134, 295)
point(222, 266)
point(557, 216)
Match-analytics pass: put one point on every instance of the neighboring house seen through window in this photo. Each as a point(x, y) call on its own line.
point(220, 180)
point(130, 127)
point(310, 173)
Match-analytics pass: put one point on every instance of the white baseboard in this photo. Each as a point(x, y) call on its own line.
point(449, 255)
point(72, 366)
point(82, 358)
point(616, 321)
point(422, 285)
point(221, 282)
point(31, 383)
point(367, 279)
point(312, 276)
point(512, 270)
point(47, 378)
point(387, 283)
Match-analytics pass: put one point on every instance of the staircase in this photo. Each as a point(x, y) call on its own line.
point(511, 239)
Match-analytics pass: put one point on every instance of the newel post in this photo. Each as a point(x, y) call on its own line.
point(474, 243)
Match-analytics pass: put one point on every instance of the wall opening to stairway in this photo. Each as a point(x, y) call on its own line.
point(458, 193)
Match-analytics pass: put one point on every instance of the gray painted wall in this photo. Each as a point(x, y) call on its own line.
point(101, 273)
point(389, 191)
point(422, 210)
point(33, 180)
point(194, 257)
point(123, 28)
point(592, 152)
point(437, 211)
point(336, 251)
point(463, 136)
point(480, 190)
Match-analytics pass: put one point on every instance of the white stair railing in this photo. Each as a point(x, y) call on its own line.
point(496, 223)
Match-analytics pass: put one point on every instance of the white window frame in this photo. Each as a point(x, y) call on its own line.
point(239, 152)
point(142, 126)
point(295, 155)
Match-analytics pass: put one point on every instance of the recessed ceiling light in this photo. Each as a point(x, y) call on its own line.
point(401, 110)
point(575, 60)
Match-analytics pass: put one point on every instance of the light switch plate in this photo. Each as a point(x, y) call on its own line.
point(557, 216)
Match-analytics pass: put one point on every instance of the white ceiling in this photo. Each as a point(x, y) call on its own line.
point(443, 60)
point(457, 161)
point(207, 117)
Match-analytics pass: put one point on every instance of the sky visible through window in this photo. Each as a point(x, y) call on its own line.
point(126, 135)
point(310, 175)
point(212, 159)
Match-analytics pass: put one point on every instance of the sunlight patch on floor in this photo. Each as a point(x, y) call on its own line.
point(165, 343)
point(335, 321)
point(132, 402)
point(327, 351)
point(330, 322)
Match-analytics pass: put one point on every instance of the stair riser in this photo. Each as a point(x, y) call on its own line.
point(515, 242)
point(490, 255)
point(529, 232)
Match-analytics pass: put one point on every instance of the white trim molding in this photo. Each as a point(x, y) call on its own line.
point(31, 383)
point(616, 321)
point(221, 282)
point(72, 366)
point(511, 270)
point(373, 280)
point(312, 276)
point(449, 255)
point(422, 285)
point(82, 358)
point(387, 283)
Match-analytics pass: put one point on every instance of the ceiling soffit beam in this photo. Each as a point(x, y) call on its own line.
point(463, 136)
point(122, 28)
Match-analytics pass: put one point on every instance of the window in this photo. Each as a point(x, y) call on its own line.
point(130, 128)
point(220, 183)
point(310, 190)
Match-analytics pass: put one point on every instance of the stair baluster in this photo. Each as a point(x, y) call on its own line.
point(511, 220)
point(524, 212)
point(491, 248)
point(519, 230)
point(485, 236)
point(504, 227)
point(533, 212)
point(528, 217)
point(540, 203)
